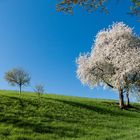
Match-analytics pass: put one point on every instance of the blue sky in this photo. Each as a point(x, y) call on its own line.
point(46, 43)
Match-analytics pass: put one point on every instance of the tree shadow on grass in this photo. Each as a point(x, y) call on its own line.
point(61, 131)
point(134, 108)
point(97, 109)
point(21, 121)
point(22, 102)
point(43, 128)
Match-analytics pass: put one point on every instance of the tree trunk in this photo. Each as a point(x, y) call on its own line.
point(127, 99)
point(19, 88)
point(121, 100)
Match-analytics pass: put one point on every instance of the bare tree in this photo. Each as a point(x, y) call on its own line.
point(39, 89)
point(18, 77)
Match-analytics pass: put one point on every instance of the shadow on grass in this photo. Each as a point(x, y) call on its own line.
point(43, 128)
point(95, 108)
point(101, 110)
point(134, 108)
point(18, 120)
point(98, 109)
point(22, 102)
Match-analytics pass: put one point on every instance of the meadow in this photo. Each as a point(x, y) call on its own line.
point(55, 117)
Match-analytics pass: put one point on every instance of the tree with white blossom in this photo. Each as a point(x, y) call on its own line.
point(114, 61)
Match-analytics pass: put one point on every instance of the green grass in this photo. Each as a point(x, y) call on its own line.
point(25, 117)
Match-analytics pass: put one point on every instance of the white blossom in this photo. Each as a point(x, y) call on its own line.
point(115, 56)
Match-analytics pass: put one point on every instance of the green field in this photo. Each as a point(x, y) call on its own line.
point(26, 117)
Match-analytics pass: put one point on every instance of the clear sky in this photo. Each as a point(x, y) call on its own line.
point(46, 43)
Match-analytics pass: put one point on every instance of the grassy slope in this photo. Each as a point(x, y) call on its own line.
point(65, 118)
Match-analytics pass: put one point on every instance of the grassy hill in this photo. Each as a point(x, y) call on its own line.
point(25, 117)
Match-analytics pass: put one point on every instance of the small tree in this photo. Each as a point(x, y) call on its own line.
point(19, 77)
point(39, 89)
point(114, 61)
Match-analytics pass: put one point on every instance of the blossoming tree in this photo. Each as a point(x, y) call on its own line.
point(114, 61)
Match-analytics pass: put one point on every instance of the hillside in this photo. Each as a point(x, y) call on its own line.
point(25, 117)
